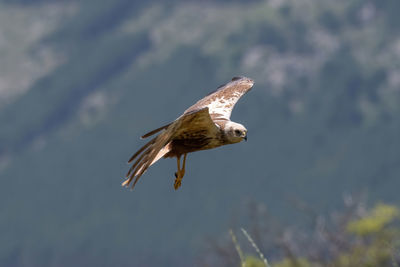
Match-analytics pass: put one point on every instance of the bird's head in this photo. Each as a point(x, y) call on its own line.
point(235, 132)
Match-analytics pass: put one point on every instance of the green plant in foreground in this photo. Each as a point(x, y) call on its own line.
point(289, 263)
point(249, 260)
point(379, 217)
point(376, 239)
point(355, 237)
point(252, 261)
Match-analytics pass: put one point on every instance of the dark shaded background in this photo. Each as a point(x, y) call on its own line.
point(80, 81)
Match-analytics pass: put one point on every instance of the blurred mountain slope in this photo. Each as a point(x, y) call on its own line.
point(322, 120)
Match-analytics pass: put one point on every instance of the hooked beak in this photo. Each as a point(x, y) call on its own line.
point(245, 137)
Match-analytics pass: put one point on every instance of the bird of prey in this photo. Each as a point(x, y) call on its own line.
point(204, 125)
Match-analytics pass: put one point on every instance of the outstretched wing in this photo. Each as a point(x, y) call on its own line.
point(188, 125)
point(197, 131)
point(222, 101)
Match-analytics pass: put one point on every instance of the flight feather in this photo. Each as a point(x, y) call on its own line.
point(222, 101)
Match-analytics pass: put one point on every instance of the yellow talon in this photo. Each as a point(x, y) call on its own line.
point(177, 183)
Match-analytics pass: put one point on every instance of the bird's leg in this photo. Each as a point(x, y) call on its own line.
point(177, 182)
point(184, 164)
point(180, 173)
point(178, 160)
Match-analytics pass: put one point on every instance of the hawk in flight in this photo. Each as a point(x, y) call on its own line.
point(204, 125)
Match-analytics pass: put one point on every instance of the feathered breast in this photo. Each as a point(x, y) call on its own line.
point(193, 141)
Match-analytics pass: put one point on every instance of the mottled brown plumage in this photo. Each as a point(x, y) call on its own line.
point(204, 125)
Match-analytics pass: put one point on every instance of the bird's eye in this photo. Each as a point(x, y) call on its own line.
point(238, 132)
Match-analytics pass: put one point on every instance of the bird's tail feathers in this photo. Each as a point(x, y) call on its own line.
point(150, 153)
point(152, 141)
point(155, 131)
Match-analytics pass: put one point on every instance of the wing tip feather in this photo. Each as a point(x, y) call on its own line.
point(125, 183)
point(155, 131)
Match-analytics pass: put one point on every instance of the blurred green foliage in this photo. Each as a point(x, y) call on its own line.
point(354, 238)
point(252, 261)
point(380, 216)
point(293, 262)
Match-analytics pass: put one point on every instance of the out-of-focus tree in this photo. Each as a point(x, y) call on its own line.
point(355, 236)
